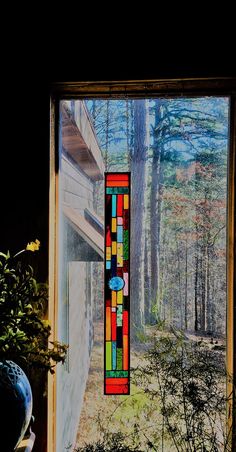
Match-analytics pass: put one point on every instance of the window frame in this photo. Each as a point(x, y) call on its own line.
point(168, 88)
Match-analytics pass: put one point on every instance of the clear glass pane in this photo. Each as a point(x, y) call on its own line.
point(176, 151)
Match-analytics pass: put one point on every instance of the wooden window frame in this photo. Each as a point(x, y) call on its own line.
point(168, 88)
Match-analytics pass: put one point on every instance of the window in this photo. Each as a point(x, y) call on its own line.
point(177, 150)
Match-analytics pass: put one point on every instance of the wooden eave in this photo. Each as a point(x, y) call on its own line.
point(79, 140)
point(85, 230)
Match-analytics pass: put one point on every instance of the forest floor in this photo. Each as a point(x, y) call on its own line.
point(99, 411)
point(120, 413)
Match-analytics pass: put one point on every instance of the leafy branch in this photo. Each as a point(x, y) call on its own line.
point(24, 330)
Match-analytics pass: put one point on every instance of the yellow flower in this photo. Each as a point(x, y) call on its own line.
point(33, 246)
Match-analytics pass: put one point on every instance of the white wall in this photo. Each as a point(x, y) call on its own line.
point(71, 381)
point(76, 188)
point(74, 310)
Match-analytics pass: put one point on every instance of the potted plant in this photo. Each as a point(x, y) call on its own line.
point(24, 342)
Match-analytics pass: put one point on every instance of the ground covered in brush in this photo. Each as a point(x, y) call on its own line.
point(164, 414)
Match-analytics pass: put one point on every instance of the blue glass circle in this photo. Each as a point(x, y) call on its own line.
point(116, 283)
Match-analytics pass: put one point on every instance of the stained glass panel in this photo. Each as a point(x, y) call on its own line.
point(117, 334)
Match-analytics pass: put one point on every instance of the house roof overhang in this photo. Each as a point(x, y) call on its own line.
point(85, 230)
point(79, 139)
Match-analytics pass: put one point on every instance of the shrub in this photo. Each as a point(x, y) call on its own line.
point(24, 331)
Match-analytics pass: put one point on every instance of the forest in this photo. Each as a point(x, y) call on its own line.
point(176, 150)
point(177, 153)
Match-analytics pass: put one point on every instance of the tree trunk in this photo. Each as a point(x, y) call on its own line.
point(137, 213)
point(213, 296)
point(147, 294)
point(208, 300)
point(186, 287)
point(155, 209)
point(163, 278)
point(107, 134)
point(203, 293)
point(128, 134)
point(179, 280)
point(196, 289)
point(197, 306)
point(94, 112)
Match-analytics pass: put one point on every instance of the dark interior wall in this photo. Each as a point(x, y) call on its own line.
point(24, 181)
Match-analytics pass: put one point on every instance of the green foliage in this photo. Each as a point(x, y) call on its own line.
point(177, 401)
point(24, 332)
point(186, 379)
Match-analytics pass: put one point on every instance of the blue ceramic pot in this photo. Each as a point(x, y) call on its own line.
point(15, 405)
